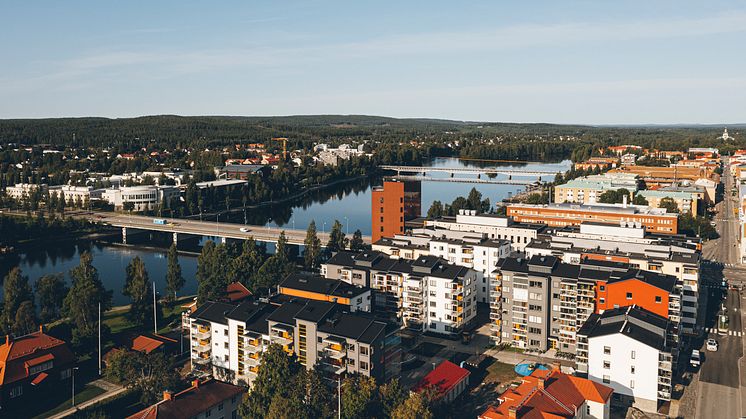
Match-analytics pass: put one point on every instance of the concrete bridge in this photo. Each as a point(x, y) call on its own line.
point(522, 182)
point(471, 171)
point(225, 231)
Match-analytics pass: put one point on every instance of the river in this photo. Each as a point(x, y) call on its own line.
point(349, 203)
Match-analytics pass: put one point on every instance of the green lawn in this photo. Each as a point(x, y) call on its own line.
point(83, 394)
point(117, 320)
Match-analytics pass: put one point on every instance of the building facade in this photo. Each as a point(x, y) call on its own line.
point(140, 198)
point(492, 226)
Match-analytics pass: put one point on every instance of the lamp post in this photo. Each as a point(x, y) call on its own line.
point(73, 390)
point(323, 228)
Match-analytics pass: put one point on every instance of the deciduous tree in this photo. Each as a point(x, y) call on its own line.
point(51, 290)
point(16, 290)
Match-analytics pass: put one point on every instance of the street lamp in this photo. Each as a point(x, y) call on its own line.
point(73, 375)
point(347, 227)
point(323, 228)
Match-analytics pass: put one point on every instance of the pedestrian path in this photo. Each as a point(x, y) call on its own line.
point(730, 332)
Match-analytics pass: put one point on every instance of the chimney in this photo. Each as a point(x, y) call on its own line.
point(540, 383)
point(41, 328)
point(624, 201)
point(195, 383)
point(7, 339)
point(167, 395)
point(513, 412)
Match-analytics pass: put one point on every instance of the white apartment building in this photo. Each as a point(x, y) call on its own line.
point(492, 226)
point(625, 349)
point(75, 194)
point(671, 255)
point(23, 190)
point(425, 294)
point(145, 197)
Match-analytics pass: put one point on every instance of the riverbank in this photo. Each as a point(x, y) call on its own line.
point(290, 198)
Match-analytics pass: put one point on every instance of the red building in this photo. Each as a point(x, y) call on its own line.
point(448, 379)
point(31, 366)
point(392, 204)
point(652, 293)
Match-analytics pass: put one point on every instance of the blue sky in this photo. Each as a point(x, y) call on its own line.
point(593, 62)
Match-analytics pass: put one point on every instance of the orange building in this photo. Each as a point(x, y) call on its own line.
point(673, 173)
point(392, 204)
point(651, 293)
point(655, 220)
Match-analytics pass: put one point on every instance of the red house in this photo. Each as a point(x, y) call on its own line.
point(448, 379)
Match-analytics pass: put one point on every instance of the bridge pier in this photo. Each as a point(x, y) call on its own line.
point(223, 240)
point(176, 238)
point(124, 235)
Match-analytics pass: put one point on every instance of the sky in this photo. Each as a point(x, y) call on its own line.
point(589, 62)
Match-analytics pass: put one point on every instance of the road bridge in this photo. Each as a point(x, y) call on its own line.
point(471, 171)
point(464, 180)
point(224, 231)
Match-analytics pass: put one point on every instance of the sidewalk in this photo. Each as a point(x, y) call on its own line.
point(111, 391)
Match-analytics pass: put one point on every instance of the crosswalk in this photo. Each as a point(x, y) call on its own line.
point(730, 332)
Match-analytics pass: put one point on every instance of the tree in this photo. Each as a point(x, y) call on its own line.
point(337, 240)
point(416, 406)
point(613, 196)
point(312, 244)
point(51, 291)
point(137, 287)
point(276, 267)
point(391, 395)
point(358, 397)
point(25, 319)
point(150, 374)
point(274, 379)
point(668, 204)
point(474, 200)
point(317, 398)
point(81, 302)
point(640, 200)
point(212, 272)
point(357, 244)
point(174, 279)
point(245, 266)
point(436, 210)
point(16, 290)
point(286, 408)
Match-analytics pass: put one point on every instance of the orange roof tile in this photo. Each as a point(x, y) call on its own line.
point(445, 376)
point(16, 354)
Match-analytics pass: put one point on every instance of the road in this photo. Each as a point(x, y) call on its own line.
point(720, 384)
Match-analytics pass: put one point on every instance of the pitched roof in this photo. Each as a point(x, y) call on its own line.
point(190, 402)
point(237, 291)
point(444, 377)
point(548, 394)
point(17, 355)
point(148, 344)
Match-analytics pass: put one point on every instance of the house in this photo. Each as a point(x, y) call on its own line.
point(212, 398)
point(153, 343)
point(31, 366)
point(552, 394)
point(448, 380)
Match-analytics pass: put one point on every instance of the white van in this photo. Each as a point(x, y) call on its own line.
point(695, 359)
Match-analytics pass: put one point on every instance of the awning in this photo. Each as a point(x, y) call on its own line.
point(39, 378)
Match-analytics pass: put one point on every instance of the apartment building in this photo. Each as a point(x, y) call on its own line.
point(588, 189)
point(627, 349)
point(685, 201)
point(227, 340)
point(492, 226)
point(425, 294)
point(391, 205)
point(22, 190)
point(75, 194)
point(540, 303)
point(655, 220)
point(315, 287)
point(676, 256)
point(471, 250)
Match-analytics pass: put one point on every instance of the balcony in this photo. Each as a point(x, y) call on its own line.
point(281, 334)
point(253, 359)
point(202, 359)
point(201, 348)
point(201, 332)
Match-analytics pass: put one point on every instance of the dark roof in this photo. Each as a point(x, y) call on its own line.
point(191, 402)
point(377, 261)
point(354, 326)
point(633, 321)
point(245, 311)
point(314, 311)
point(213, 311)
point(286, 313)
point(320, 285)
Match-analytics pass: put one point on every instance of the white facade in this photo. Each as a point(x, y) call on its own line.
point(73, 194)
point(439, 305)
point(143, 198)
point(628, 366)
point(23, 190)
point(491, 226)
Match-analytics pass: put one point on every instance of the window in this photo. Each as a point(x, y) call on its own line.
point(432, 314)
point(16, 391)
point(220, 407)
point(602, 288)
point(602, 300)
point(658, 299)
point(534, 319)
point(607, 365)
point(233, 400)
point(65, 374)
point(632, 354)
point(364, 350)
point(606, 379)
point(629, 295)
point(208, 413)
point(225, 345)
point(631, 369)
point(432, 304)
point(432, 325)
point(631, 383)
point(363, 365)
point(225, 358)
point(234, 414)
point(607, 350)
point(351, 362)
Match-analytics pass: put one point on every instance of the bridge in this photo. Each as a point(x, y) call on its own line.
point(464, 180)
point(224, 231)
point(470, 171)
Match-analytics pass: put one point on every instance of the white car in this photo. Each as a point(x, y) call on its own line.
point(712, 345)
point(695, 360)
point(244, 229)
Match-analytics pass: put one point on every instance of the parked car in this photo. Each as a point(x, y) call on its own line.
point(695, 359)
point(712, 345)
